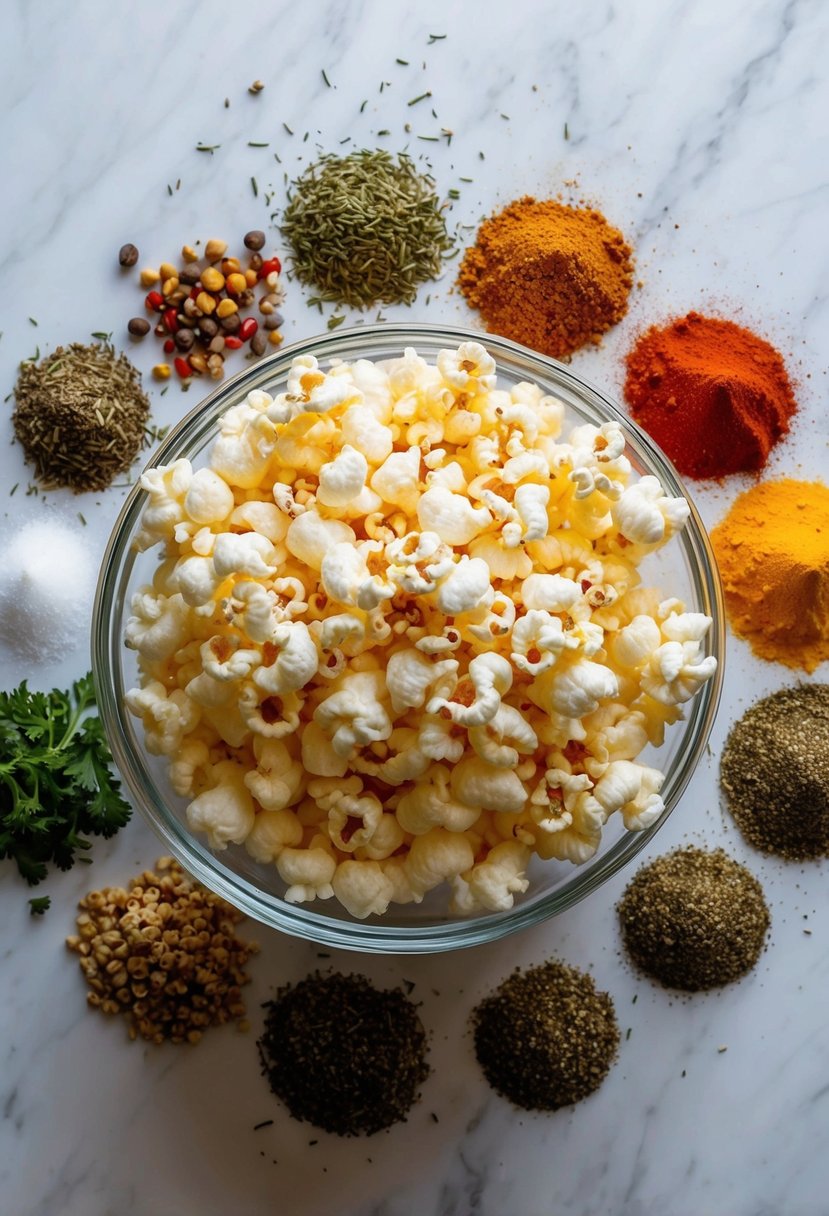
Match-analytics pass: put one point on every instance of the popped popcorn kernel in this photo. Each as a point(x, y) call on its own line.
point(397, 638)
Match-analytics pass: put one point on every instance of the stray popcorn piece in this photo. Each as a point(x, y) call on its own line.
point(397, 638)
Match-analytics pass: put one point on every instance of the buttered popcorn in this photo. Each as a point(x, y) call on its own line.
point(397, 637)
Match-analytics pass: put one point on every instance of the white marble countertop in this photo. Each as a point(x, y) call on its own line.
point(698, 128)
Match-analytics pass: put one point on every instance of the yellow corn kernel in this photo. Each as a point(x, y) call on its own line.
point(230, 265)
point(265, 307)
point(205, 303)
point(227, 308)
point(215, 249)
point(275, 337)
point(161, 371)
point(212, 279)
point(251, 278)
point(198, 362)
point(236, 283)
point(148, 276)
point(167, 271)
point(169, 286)
point(189, 254)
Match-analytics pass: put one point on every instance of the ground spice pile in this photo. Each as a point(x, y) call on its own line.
point(365, 229)
point(694, 919)
point(546, 1038)
point(344, 1055)
point(773, 553)
point(164, 953)
point(80, 416)
point(712, 394)
point(552, 277)
point(775, 773)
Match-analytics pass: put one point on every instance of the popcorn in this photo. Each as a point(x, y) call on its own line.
point(397, 638)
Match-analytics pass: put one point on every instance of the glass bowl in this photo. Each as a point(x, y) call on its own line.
point(685, 568)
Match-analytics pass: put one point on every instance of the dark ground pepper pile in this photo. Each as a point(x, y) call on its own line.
point(344, 1055)
point(694, 919)
point(775, 773)
point(546, 1038)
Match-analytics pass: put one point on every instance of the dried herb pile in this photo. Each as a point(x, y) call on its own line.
point(775, 773)
point(344, 1055)
point(694, 919)
point(365, 229)
point(80, 416)
point(546, 1038)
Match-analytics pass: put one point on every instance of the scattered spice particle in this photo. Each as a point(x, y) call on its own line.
point(420, 97)
point(436, 38)
point(694, 919)
point(287, 128)
point(254, 185)
point(256, 87)
point(32, 321)
point(628, 1033)
point(335, 321)
point(14, 487)
point(325, 78)
point(169, 190)
point(363, 106)
point(720, 1050)
point(546, 1038)
point(253, 144)
point(384, 132)
point(207, 148)
point(404, 62)
point(264, 1123)
point(81, 518)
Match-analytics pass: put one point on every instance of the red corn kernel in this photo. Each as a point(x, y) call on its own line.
point(170, 317)
point(271, 266)
point(169, 346)
point(232, 343)
point(154, 301)
point(248, 328)
point(183, 368)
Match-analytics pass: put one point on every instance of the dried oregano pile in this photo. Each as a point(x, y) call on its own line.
point(546, 1038)
point(694, 919)
point(344, 1055)
point(775, 773)
point(80, 416)
point(366, 228)
point(165, 953)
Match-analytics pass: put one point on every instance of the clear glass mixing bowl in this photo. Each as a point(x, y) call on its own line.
point(685, 568)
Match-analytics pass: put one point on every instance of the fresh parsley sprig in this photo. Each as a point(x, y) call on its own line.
point(56, 787)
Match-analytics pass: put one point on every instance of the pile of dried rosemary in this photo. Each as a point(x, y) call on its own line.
point(80, 416)
point(365, 228)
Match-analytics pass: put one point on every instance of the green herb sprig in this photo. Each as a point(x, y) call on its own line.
point(55, 783)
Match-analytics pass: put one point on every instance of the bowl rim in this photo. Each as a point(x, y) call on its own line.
point(372, 936)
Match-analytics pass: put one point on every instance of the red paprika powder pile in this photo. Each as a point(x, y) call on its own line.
point(712, 394)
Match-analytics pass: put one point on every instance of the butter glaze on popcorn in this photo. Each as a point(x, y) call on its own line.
point(397, 636)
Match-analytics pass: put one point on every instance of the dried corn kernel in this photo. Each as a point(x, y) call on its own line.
point(212, 279)
point(161, 371)
point(189, 254)
point(215, 249)
point(149, 276)
point(167, 271)
point(206, 303)
point(227, 308)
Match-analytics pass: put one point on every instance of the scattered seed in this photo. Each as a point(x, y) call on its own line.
point(127, 255)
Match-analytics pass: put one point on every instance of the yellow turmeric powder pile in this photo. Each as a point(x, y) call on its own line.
point(773, 553)
point(552, 277)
